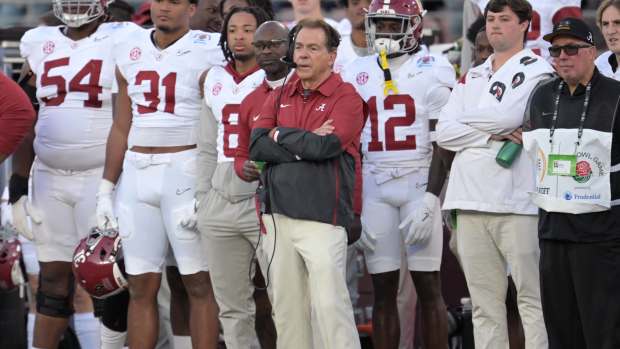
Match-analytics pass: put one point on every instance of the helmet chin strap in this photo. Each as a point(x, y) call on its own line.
point(390, 85)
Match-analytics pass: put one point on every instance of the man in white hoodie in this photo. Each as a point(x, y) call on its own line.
point(497, 223)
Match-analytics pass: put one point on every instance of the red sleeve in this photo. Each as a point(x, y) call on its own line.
point(244, 129)
point(348, 116)
point(566, 12)
point(267, 118)
point(16, 115)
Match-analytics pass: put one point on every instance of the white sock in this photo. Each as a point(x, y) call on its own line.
point(182, 342)
point(87, 329)
point(30, 328)
point(111, 339)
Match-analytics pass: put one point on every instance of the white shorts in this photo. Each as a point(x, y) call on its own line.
point(155, 192)
point(385, 205)
point(66, 200)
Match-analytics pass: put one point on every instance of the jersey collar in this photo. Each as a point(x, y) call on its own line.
point(230, 68)
point(327, 87)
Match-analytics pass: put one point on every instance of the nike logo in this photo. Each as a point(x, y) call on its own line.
point(426, 215)
point(256, 117)
point(181, 53)
point(547, 114)
point(97, 39)
point(179, 191)
point(284, 105)
point(410, 75)
point(420, 185)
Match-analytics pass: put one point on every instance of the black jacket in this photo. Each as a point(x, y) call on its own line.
point(308, 176)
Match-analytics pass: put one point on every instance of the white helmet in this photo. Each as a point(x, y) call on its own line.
point(76, 13)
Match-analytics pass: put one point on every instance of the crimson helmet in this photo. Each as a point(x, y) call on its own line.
point(76, 13)
point(11, 274)
point(97, 263)
point(408, 12)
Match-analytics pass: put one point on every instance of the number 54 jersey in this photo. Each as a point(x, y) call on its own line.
point(74, 81)
point(163, 85)
point(396, 131)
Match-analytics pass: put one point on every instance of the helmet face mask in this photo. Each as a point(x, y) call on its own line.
point(406, 14)
point(76, 13)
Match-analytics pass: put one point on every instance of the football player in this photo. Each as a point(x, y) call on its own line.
point(404, 89)
point(227, 212)
point(207, 17)
point(546, 13)
point(153, 142)
point(352, 34)
point(70, 68)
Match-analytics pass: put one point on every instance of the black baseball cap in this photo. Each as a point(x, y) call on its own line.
point(573, 27)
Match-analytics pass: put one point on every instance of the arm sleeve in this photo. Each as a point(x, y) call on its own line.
point(506, 116)
point(207, 152)
point(454, 135)
point(16, 115)
point(347, 116)
point(241, 154)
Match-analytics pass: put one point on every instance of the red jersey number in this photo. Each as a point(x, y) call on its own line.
point(396, 121)
point(152, 97)
point(230, 128)
point(92, 71)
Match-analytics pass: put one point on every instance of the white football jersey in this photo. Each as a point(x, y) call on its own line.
point(164, 85)
point(74, 81)
point(545, 14)
point(223, 95)
point(397, 127)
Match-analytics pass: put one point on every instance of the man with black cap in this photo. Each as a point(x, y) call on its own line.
point(573, 135)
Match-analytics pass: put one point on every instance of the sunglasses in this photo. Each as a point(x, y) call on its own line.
point(269, 44)
point(570, 50)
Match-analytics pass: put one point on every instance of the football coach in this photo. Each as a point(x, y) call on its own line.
point(308, 133)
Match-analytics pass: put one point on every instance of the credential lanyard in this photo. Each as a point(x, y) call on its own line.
point(582, 120)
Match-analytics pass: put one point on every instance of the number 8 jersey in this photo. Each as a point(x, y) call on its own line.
point(74, 81)
point(224, 89)
point(163, 85)
point(397, 128)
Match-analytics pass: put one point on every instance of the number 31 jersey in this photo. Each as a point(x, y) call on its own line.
point(74, 81)
point(397, 127)
point(163, 85)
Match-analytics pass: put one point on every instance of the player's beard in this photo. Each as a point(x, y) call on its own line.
point(243, 57)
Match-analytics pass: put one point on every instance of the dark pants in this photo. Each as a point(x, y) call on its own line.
point(580, 290)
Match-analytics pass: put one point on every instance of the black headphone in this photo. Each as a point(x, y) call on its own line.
point(292, 36)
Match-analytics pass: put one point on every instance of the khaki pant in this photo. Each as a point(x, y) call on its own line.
point(487, 244)
point(230, 232)
point(309, 264)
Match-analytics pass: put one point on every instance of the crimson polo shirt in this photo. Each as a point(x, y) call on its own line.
point(16, 115)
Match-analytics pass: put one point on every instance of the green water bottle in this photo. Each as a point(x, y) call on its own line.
point(508, 153)
point(260, 165)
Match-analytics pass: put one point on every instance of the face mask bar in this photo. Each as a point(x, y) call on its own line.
point(76, 13)
point(402, 42)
